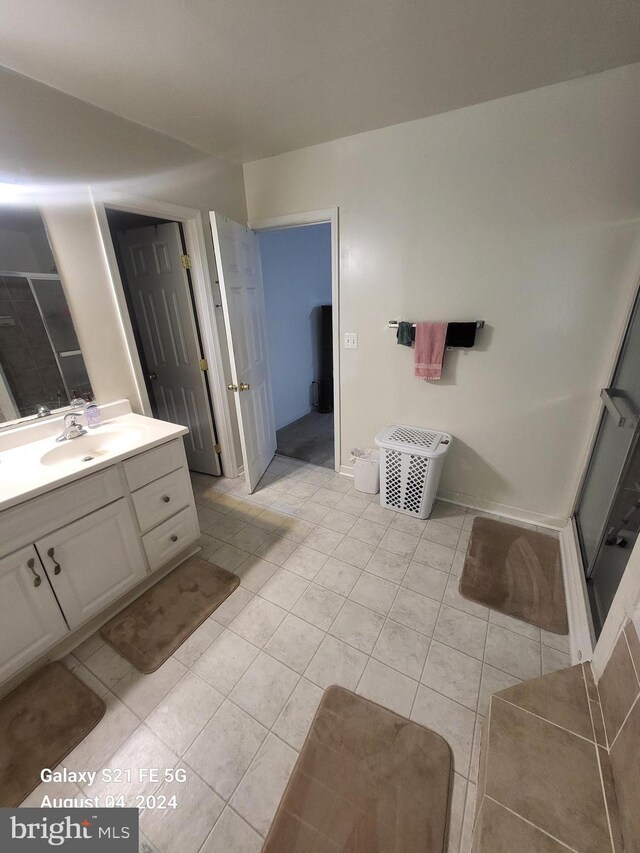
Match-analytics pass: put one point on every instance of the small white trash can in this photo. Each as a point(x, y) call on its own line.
point(366, 470)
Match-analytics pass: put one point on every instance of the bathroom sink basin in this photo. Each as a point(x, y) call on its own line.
point(107, 440)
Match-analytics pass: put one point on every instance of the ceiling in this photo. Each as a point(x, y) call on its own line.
point(246, 79)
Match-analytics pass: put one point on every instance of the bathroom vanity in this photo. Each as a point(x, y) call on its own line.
point(85, 526)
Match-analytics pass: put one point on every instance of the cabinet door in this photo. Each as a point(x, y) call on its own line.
point(93, 561)
point(30, 619)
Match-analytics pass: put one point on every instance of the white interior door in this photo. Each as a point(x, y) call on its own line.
point(162, 304)
point(238, 259)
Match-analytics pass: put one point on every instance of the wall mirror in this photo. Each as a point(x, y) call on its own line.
point(41, 366)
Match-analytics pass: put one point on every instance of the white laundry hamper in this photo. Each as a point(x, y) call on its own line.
point(411, 461)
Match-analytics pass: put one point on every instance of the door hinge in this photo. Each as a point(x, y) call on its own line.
point(185, 260)
point(217, 448)
point(203, 364)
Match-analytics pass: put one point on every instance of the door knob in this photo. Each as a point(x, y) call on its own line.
point(232, 387)
point(244, 387)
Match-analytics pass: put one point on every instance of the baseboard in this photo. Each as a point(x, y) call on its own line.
point(346, 470)
point(496, 508)
point(581, 634)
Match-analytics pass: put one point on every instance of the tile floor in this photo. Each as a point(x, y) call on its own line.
point(334, 589)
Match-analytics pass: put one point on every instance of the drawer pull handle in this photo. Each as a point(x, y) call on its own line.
point(166, 498)
point(37, 580)
point(174, 538)
point(58, 568)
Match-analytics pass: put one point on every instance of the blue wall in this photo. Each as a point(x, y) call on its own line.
point(296, 270)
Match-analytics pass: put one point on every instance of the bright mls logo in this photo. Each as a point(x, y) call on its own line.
point(27, 830)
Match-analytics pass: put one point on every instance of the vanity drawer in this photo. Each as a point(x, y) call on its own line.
point(162, 498)
point(26, 522)
point(154, 463)
point(171, 537)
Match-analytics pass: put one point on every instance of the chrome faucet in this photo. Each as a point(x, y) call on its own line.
point(72, 429)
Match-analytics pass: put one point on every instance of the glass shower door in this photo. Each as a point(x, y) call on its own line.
point(607, 518)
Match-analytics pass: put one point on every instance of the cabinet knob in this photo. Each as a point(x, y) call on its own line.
point(174, 538)
point(166, 498)
point(57, 568)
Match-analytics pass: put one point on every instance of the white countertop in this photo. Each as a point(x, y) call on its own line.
point(38, 466)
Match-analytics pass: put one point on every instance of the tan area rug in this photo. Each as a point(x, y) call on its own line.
point(517, 572)
point(41, 721)
point(150, 629)
point(366, 781)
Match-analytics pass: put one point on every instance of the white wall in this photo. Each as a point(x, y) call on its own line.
point(56, 146)
point(296, 272)
point(523, 212)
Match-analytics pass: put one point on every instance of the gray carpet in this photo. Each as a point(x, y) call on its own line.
point(309, 439)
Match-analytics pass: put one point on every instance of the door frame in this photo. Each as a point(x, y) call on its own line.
point(318, 217)
point(193, 229)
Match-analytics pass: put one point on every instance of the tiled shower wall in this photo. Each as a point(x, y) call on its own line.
point(619, 689)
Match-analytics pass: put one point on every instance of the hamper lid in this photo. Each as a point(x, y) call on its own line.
point(408, 439)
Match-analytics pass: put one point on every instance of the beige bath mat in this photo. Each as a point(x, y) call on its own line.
point(40, 722)
point(366, 780)
point(150, 629)
point(517, 572)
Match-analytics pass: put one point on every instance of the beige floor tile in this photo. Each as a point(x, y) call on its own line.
point(553, 660)
point(302, 489)
point(249, 538)
point(88, 647)
point(327, 497)
point(223, 526)
point(463, 541)
point(403, 544)
point(255, 572)
point(387, 687)
point(515, 625)
point(232, 834)
point(336, 663)
point(449, 719)
point(295, 719)
point(231, 606)
point(338, 576)
point(143, 692)
point(257, 622)
point(408, 524)
point(374, 592)
point(306, 562)
point(434, 555)
point(458, 799)
point(415, 611)
point(357, 626)
point(276, 549)
point(512, 653)
point(491, 682)
point(225, 748)
point(264, 688)
point(107, 665)
point(230, 558)
point(402, 648)
point(339, 521)
point(225, 661)
point(186, 827)
point(391, 567)
point(443, 534)
point(352, 504)
point(379, 514)
point(257, 796)
point(425, 580)
point(447, 513)
point(269, 520)
point(85, 675)
point(368, 531)
point(560, 642)
point(354, 552)
point(287, 503)
point(118, 723)
point(453, 598)
point(296, 529)
point(61, 790)
point(284, 589)
point(458, 563)
point(324, 540)
point(312, 512)
point(180, 717)
point(319, 606)
point(453, 674)
point(294, 643)
point(197, 643)
point(461, 631)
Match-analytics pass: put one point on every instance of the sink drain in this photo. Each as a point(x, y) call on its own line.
point(87, 458)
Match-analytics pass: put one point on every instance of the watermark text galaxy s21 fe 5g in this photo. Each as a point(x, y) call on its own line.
point(115, 787)
point(101, 830)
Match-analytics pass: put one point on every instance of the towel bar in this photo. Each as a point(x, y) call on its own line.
point(393, 324)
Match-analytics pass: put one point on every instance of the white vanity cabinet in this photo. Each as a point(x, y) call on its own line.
point(30, 618)
point(93, 561)
point(68, 554)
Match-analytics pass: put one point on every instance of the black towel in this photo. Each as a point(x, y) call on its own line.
point(461, 335)
point(406, 333)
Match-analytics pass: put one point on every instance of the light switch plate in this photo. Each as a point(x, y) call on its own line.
point(350, 340)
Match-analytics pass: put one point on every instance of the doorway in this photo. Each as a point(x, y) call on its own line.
point(154, 270)
point(607, 514)
point(296, 275)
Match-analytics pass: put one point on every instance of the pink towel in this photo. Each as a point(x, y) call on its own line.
point(429, 351)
